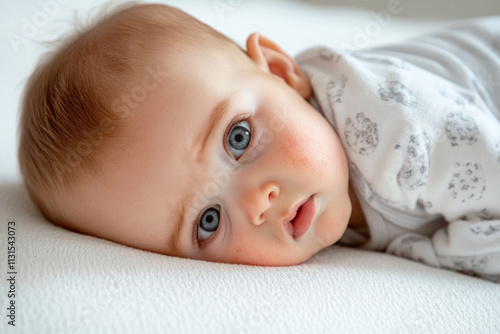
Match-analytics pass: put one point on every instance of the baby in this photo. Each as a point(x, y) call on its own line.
point(153, 130)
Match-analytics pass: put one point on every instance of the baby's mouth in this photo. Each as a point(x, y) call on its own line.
point(296, 214)
point(300, 219)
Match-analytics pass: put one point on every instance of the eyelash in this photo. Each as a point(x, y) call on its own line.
point(200, 245)
point(241, 118)
point(196, 241)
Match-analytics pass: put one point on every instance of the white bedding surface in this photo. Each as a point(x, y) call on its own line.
point(72, 283)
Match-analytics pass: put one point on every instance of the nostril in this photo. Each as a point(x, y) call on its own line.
point(274, 192)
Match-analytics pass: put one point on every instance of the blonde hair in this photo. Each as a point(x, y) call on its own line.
point(67, 121)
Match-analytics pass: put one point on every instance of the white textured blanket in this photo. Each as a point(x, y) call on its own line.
point(72, 283)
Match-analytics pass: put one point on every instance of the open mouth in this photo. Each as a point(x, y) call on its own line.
point(300, 220)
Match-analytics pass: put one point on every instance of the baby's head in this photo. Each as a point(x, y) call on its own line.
point(155, 131)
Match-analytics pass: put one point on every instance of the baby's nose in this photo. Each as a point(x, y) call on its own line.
point(257, 200)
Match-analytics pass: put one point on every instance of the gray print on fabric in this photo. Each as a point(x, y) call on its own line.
point(461, 129)
point(328, 55)
point(361, 134)
point(396, 91)
point(407, 248)
point(486, 230)
point(467, 182)
point(469, 265)
point(479, 215)
point(415, 170)
point(335, 89)
point(424, 204)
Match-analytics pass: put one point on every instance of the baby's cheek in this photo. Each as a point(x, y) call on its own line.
point(304, 153)
point(246, 253)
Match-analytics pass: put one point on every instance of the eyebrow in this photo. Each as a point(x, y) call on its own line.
point(213, 121)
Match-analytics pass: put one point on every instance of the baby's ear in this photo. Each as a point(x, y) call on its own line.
point(270, 58)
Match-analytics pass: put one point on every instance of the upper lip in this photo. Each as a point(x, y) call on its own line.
point(294, 210)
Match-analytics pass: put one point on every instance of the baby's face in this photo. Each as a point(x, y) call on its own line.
point(217, 162)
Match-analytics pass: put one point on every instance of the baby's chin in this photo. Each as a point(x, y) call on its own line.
point(325, 241)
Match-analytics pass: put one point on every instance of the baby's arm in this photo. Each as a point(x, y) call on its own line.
point(468, 55)
point(471, 246)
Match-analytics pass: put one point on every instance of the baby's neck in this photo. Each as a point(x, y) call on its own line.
point(357, 217)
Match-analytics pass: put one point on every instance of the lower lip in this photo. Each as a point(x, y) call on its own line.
point(303, 219)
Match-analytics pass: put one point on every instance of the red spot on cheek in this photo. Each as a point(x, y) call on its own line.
point(248, 256)
point(236, 257)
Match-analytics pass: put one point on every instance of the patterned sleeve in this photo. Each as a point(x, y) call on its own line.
point(469, 56)
point(470, 246)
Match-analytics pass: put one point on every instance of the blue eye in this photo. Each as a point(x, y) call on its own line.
point(239, 138)
point(209, 222)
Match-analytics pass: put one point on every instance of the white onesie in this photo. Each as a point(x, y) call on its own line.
point(420, 124)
